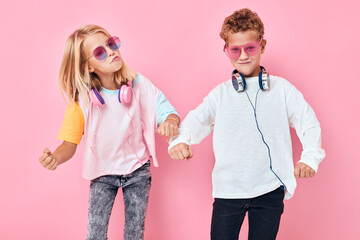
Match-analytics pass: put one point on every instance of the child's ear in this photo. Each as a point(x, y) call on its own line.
point(91, 69)
point(263, 45)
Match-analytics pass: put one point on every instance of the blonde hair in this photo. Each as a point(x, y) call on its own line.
point(242, 20)
point(74, 76)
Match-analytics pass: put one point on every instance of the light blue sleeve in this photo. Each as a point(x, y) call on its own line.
point(163, 108)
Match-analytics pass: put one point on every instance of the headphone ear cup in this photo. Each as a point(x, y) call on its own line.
point(238, 81)
point(95, 97)
point(125, 94)
point(264, 79)
point(260, 81)
point(243, 82)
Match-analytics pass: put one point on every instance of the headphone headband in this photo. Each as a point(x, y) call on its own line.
point(124, 96)
point(239, 82)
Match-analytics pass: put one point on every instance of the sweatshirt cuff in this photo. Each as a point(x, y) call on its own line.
point(312, 157)
point(180, 138)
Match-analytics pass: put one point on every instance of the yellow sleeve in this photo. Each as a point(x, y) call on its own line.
point(73, 124)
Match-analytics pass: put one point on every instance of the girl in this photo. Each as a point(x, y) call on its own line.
point(117, 111)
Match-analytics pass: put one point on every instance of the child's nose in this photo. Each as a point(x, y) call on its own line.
point(110, 51)
point(243, 54)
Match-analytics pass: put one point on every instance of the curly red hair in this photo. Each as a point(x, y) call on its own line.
point(242, 20)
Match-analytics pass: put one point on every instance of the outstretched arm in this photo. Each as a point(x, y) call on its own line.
point(166, 117)
point(62, 154)
point(198, 124)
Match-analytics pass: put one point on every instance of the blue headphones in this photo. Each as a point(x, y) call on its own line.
point(239, 82)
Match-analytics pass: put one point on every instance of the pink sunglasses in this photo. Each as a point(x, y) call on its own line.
point(100, 52)
point(234, 52)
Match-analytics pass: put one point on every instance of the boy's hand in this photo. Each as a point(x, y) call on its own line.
point(168, 128)
point(303, 171)
point(181, 151)
point(47, 160)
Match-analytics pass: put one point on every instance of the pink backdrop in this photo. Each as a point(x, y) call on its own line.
point(314, 44)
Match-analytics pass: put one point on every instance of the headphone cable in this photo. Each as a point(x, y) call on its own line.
point(262, 136)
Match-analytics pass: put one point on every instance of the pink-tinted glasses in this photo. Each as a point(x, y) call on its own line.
point(100, 52)
point(234, 52)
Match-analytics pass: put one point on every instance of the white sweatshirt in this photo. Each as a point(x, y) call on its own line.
point(242, 163)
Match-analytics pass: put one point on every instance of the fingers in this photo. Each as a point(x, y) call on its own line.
point(191, 152)
point(45, 154)
point(167, 131)
point(160, 130)
point(303, 171)
point(168, 128)
point(171, 131)
point(47, 151)
point(52, 165)
point(180, 151)
point(179, 155)
point(47, 160)
point(297, 172)
point(185, 152)
point(175, 131)
point(176, 153)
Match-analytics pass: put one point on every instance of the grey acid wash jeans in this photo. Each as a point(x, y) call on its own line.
point(103, 190)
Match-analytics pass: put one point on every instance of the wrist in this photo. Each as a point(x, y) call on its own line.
point(173, 119)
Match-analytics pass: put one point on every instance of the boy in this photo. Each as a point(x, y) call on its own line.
point(254, 168)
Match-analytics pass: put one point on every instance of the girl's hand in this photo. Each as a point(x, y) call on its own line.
point(47, 160)
point(168, 128)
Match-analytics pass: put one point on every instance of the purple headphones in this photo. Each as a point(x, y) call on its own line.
point(125, 95)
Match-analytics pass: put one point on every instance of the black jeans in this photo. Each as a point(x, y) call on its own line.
point(264, 214)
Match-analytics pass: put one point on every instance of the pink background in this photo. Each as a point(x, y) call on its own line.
point(313, 44)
